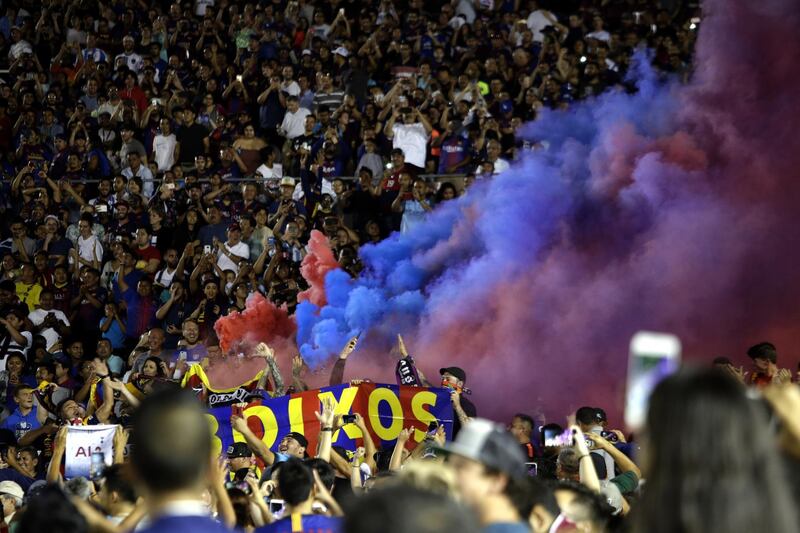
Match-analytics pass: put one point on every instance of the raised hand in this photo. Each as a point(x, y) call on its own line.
point(265, 351)
point(326, 416)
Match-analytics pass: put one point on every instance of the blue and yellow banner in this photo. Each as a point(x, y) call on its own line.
point(386, 409)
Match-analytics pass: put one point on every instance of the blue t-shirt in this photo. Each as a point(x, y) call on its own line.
point(114, 334)
point(21, 424)
point(305, 523)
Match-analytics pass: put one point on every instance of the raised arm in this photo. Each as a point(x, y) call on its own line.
point(257, 445)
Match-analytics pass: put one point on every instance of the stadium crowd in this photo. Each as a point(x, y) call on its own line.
point(161, 162)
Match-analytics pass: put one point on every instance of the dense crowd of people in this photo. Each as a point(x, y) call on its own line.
point(162, 162)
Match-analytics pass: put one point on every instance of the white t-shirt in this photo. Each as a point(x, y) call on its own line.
point(294, 123)
point(37, 316)
point(241, 250)
point(601, 35)
point(413, 140)
point(272, 176)
point(164, 151)
point(85, 248)
point(537, 22)
point(200, 7)
point(467, 9)
point(501, 165)
point(164, 277)
point(291, 88)
point(14, 347)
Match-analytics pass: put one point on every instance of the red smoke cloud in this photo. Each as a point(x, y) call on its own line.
point(316, 264)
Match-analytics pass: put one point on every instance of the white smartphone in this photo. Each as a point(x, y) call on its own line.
point(653, 356)
point(207, 249)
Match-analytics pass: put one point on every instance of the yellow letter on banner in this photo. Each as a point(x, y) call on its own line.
point(418, 402)
point(213, 425)
point(268, 420)
point(296, 415)
point(375, 398)
point(342, 407)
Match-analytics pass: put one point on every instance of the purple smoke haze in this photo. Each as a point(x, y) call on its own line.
point(672, 209)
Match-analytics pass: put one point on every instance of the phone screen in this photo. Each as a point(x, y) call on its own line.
point(653, 356)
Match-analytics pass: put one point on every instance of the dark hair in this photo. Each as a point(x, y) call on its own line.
point(326, 472)
point(763, 350)
point(591, 507)
point(171, 442)
point(720, 472)
point(528, 419)
point(51, 511)
point(295, 481)
point(241, 508)
point(540, 493)
point(400, 508)
point(586, 416)
point(117, 479)
point(157, 361)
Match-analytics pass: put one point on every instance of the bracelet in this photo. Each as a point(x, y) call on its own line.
point(326, 429)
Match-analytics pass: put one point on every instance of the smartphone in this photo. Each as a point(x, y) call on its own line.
point(389, 166)
point(101, 208)
point(97, 465)
point(119, 238)
point(171, 186)
point(207, 249)
point(433, 427)
point(239, 77)
point(348, 419)
point(532, 468)
point(155, 101)
point(275, 507)
point(610, 436)
point(653, 356)
point(565, 438)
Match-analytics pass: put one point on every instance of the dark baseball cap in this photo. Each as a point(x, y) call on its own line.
point(489, 444)
point(455, 371)
point(239, 449)
point(299, 438)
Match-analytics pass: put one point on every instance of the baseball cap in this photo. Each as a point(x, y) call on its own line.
point(342, 51)
point(455, 371)
point(298, 437)
point(307, 52)
point(11, 488)
point(239, 449)
point(234, 227)
point(287, 181)
point(489, 444)
point(600, 413)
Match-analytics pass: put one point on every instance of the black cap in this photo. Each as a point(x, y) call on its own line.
point(299, 438)
point(455, 371)
point(600, 414)
point(489, 444)
point(239, 449)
